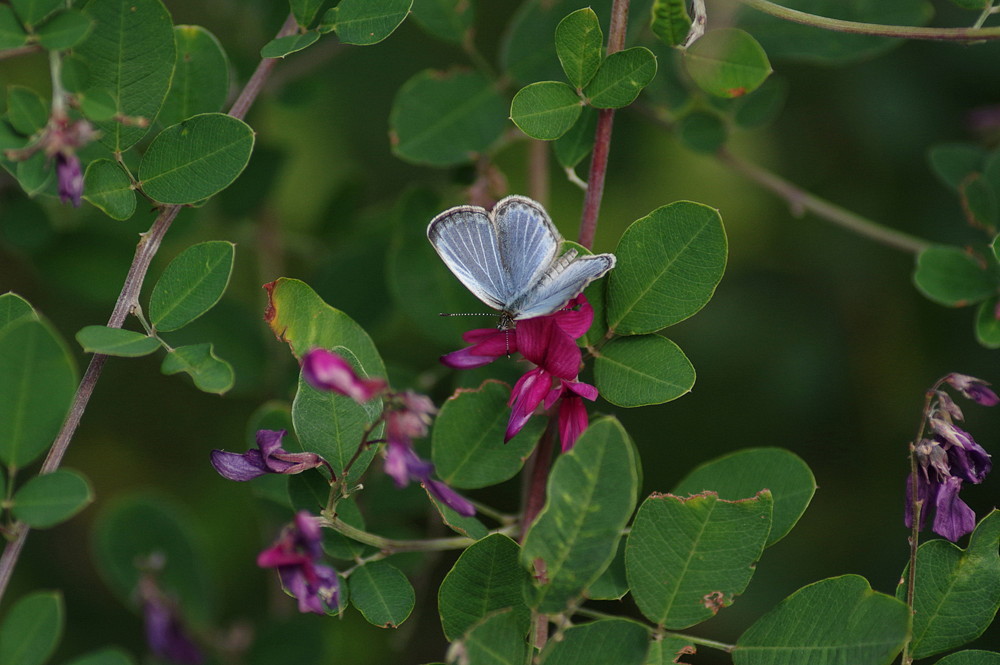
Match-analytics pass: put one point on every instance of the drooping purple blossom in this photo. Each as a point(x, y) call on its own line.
point(325, 370)
point(166, 633)
point(296, 555)
point(70, 178)
point(269, 457)
point(975, 389)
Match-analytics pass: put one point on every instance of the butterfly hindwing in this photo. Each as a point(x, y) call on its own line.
point(564, 280)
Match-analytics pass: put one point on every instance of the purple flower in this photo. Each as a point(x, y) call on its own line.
point(70, 178)
point(325, 370)
point(269, 457)
point(975, 389)
point(529, 391)
point(296, 555)
point(166, 633)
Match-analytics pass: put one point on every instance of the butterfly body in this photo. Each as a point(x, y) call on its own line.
point(509, 258)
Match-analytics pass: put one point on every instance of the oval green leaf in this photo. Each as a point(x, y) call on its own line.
point(33, 12)
point(14, 309)
point(468, 447)
point(591, 495)
point(577, 143)
point(39, 380)
point(131, 54)
point(381, 593)
point(12, 35)
point(210, 373)
point(642, 370)
point(971, 657)
point(444, 119)
point(612, 584)
point(617, 641)
point(952, 163)
point(108, 187)
point(545, 110)
point(621, 78)
point(579, 46)
point(98, 104)
point(65, 30)
point(744, 473)
point(987, 323)
point(191, 285)
point(950, 276)
point(27, 112)
point(702, 131)
point(486, 578)
point(470, 527)
point(366, 22)
point(116, 342)
point(836, 620)
point(32, 629)
point(687, 558)
point(671, 22)
point(445, 19)
point(52, 498)
point(110, 656)
point(957, 592)
point(35, 174)
point(305, 11)
point(201, 76)
point(282, 46)
point(496, 640)
point(669, 264)
point(727, 62)
point(196, 158)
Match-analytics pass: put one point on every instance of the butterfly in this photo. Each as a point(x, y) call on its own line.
point(509, 258)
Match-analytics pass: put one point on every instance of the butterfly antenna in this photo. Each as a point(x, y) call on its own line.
point(467, 314)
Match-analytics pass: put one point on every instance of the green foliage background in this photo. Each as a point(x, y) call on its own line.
point(816, 340)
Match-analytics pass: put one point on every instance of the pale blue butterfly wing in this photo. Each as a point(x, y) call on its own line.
point(508, 257)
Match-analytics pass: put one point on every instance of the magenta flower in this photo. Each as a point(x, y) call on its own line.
point(975, 389)
point(269, 457)
point(325, 370)
point(296, 555)
point(166, 634)
point(70, 178)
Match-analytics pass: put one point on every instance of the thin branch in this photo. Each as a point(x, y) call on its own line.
point(392, 545)
point(801, 201)
point(20, 50)
point(876, 29)
point(128, 298)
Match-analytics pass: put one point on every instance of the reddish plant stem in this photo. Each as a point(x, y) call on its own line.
point(535, 498)
point(128, 299)
point(602, 136)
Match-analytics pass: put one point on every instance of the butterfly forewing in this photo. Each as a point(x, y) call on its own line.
point(466, 240)
point(566, 278)
point(528, 241)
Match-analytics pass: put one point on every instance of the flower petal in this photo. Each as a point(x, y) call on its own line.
point(450, 497)
point(240, 468)
point(952, 518)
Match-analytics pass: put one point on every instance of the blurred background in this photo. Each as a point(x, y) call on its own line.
point(816, 340)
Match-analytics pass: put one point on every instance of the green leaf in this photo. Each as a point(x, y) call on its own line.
point(577, 143)
point(196, 158)
point(108, 187)
point(130, 54)
point(783, 39)
point(621, 78)
point(957, 592)
point(32, 629)
point(308, 491)
point(950, 276)
point(14, 309)
point(744, 473)
point(201, 76)
point(702, 131)
point(687, 558)
point(468, 447)
point(98, 105)
point(669, 264)
point(116, 342)
point(763, 105)
point(33, 12)
point(443, 119)
point(469, 527)
point(445, 19)
point(27, 112)
point(39, 380)
point(65, 30)
point(952, 163)
point(300, 317)
point(987, 323)
point(978, 201)
point(109, 656)
point(618, 641)
point(366, 22)
point(210, 373)
point(486, 578)
point(35, 174)
point(191, 285)
point(282, 46)
point(382, 594)
point(836, 620)
point(545, 110)
point(496, 640)
point(332, 425)
point(579, 46)
point(305, 11)
point(590, 496)
point(12, 35)
point(52, 498)
point(75, 73)
point(642, 370)
point(131, 529)
point(671, 22)
point(727, 62)
point(669, 650)
point(612, 584)
point(971, 657)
